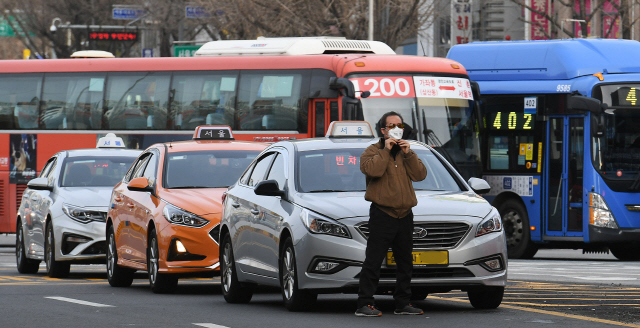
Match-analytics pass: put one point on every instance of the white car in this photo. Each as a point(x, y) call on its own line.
point(62, 215)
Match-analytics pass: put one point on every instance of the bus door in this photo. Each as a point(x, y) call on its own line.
point(322, 113)
point(563, 177)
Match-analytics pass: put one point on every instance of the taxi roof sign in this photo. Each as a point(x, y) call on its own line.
point(357, 129)
point(110, 141)
point(213, 132)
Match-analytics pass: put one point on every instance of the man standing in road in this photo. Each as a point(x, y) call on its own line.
point(390, 167)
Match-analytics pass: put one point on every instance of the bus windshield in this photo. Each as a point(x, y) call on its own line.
point(617, 154)
point(438, 110)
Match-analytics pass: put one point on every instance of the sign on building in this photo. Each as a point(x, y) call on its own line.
point(461, 22)
point(185, 50)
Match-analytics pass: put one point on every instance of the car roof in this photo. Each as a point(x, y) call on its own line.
point(199, 145)
point(103, 152)
point(334, 143)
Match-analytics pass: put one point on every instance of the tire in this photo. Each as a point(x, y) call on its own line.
point(624, 252)
point(25, 265)
point(232, 290)
point(116, 275)
point(55, 269)
point(294, 299)
point(516, 227)
point(486, 298)
point(161, 283)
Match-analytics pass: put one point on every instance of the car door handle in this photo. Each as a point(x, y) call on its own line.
point(130, 205)
point(235, 205)
point(117, 199)
point(255, 212)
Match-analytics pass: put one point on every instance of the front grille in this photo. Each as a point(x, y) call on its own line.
point(95, 249)
point(386, 273)
point(439, 234)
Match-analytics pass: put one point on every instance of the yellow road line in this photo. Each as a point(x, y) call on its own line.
point(572, 316)
point(572, 298)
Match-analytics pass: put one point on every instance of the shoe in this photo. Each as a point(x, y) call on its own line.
point(409, 310)
point(368, 311)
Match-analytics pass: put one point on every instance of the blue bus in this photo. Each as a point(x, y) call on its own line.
point(560, 141)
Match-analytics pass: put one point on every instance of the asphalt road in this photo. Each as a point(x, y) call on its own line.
point(532, 299)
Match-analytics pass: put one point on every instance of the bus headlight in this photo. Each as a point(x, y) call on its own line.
point(599, 213)
point(323, 225)
point(491, 223)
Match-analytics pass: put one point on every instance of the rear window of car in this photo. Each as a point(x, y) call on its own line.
point(338, 170)
point(94, 171)
point(206, 169)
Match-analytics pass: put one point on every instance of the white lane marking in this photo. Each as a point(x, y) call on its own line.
point(71, 300)
point(570, 276)
point(209, 325)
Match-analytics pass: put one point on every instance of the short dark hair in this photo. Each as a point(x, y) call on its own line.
point(383, 120)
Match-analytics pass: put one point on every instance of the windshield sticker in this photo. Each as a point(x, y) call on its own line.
point(387, 86)
point(442, 87)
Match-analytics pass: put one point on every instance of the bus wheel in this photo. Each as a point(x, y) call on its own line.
point(626, 252)
point(516, 227)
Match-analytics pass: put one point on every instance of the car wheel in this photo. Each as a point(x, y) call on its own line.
point(55, 269)
point(516, 226)
point(116, 275)
point(626, 252)
point(486, 297)
point(161, 283)
point(232, 290)
point(294, 299)
point(25, 265)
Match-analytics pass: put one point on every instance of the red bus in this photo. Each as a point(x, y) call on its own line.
point(265, 89)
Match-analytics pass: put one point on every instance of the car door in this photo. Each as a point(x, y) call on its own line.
point(245, 251)
point(267, 224)
point(35, 210)
point(143, 206)
point(125, 207)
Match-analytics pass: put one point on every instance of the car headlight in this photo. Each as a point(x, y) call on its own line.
point(179, 216)
point(319, 224)
point(491, 223)
point(83, 215)
point(599, 213)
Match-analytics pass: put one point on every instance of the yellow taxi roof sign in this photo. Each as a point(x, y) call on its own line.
point(213, 132)
point(110, 141)
point(342, 129)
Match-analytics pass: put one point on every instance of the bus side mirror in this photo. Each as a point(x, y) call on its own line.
point(595, 107)
point(475, 90)
point(597, 125)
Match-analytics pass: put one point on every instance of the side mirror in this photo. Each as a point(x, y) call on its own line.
point(585, 104)
point(480, 186)
point(140, 184)
point(597, 125)
point(39, 184)
point(342, 83)
point(269, 188)
point(475, 90)
point(365, 94)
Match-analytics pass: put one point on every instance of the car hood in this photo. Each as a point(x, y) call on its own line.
point(87, 197)
point(352, 204)
point(200, 201)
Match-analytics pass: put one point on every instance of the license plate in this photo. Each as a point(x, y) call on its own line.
point(424, 258)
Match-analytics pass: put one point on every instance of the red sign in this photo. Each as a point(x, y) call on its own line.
point(113, 36)
point(388, 86)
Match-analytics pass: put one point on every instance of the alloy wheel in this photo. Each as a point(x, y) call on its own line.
point(153, 261)
point(228, 270)
point(110, 255)
point(513, 228)
point(19, 248)
point(288, 279)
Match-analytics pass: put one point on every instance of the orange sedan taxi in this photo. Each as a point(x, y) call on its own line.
point(165, 213)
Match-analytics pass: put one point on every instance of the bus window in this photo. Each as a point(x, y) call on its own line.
point(201, 98)
point(19, 98)
point(72, 101)
point(136, 101)
point(271, 100)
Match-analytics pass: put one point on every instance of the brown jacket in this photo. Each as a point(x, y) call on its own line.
point(389, 178)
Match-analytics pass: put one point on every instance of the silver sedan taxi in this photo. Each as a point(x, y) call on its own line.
point(62, 215)
point(297, 219)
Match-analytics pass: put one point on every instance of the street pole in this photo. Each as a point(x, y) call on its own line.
point(370, 20)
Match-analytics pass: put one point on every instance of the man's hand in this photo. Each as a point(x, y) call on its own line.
point(404, 145)
point(389, 142)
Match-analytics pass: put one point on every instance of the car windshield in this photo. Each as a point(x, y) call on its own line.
point(94, 171)
point(206, 169)
point(338, 170)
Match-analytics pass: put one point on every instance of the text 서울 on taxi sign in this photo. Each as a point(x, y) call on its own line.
point(213, 132)
point(359, 129)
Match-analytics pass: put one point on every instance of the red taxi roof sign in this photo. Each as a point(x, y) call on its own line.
point(213, 132)
point(110, 141)
point(341, 129)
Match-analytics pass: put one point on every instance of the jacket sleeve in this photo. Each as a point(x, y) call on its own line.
point(374, 161)
point(414, 166)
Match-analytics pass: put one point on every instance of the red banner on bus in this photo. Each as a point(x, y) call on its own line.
point(385, 86)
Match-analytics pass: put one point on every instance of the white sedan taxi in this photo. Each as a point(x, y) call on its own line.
point(63, 211)
point(297, 219)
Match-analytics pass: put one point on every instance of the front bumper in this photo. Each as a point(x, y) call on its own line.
point(609, 236)
point(66, 229)
point(201, 246)
point(464, 271)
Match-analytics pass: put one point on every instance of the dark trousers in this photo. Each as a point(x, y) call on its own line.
point(387, 232)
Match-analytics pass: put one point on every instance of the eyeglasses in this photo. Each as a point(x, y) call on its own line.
point(393, 126)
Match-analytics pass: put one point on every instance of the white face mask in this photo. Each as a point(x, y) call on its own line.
point(396, 133)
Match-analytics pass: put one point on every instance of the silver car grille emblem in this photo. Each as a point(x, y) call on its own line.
point(419, 232)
